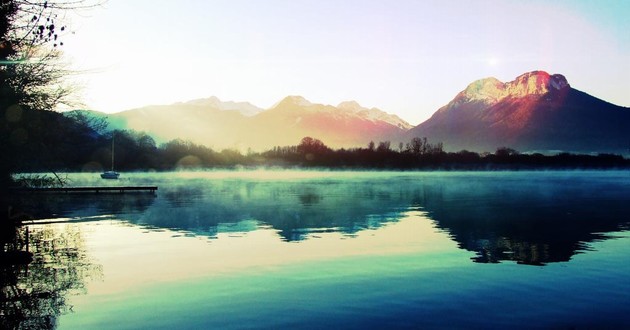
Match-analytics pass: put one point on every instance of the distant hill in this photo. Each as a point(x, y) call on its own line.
point(346, 125)
point(241, 125)
point(535, 112)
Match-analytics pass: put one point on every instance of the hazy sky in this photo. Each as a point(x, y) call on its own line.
point(404, 57)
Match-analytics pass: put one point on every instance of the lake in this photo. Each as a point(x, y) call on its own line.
point(319, 249)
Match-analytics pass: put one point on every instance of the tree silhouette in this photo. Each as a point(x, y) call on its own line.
point(383, 146)
point(31, 77)
point(312, 149)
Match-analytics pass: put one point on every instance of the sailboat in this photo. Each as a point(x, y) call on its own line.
point(111, 174)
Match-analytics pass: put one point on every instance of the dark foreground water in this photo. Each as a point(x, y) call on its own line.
point(267, 249)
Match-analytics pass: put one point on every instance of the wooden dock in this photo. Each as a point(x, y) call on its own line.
point(94, 190)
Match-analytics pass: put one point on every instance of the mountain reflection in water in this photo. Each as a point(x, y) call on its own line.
point(527, 217)
point(531, 220)
point(295, 249)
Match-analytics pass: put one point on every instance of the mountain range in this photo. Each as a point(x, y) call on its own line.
point(241, 125)
point(535, 112)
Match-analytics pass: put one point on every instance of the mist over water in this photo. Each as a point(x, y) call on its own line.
point(551, 214)
point(271, 248)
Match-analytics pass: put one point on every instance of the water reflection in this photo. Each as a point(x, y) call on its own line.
point(534, 220)
point(531, 218)
point(33, 295)
point(364, 247)
point(297, 209)
point(81, 205)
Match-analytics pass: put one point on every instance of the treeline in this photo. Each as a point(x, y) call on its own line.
point(48, 141)
point(138, 151)
point(421, 154)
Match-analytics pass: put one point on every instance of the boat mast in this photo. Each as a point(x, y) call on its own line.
point(112, 152)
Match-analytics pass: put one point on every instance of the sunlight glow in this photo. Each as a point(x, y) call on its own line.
point(284, 48)
point(130, 256)
point(493, 61)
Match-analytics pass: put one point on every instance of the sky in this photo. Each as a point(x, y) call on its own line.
point(403, 57)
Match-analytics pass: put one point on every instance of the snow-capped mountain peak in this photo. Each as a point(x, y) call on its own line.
point(488, 89)
point(491, 90)
point(373, 114)
point(244, 108)
point(352, 106)
point(294, 100)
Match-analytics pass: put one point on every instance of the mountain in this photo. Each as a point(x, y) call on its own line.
point(242, 125)
point(535, 112)
point(202, 122)
point(347, 125)
point(245, 108)
point(374, 114)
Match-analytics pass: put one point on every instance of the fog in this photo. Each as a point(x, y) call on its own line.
point(530, 217)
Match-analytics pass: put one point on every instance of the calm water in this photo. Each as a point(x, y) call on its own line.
point(267, 249)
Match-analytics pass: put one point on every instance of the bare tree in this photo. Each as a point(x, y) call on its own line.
point(31, 71)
